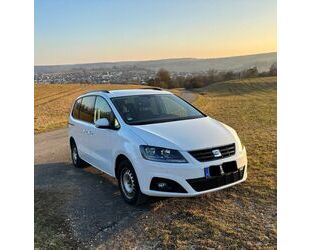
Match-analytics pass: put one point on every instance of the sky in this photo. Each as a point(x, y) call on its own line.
point(81, 31)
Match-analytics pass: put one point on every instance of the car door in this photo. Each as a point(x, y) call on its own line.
point(85, 126)
point(74, 124)
point(105, 140)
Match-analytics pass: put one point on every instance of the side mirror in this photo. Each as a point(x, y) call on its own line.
point(102, 123)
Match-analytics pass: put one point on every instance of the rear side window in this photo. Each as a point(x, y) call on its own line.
point(87, 109)
point(76, 109)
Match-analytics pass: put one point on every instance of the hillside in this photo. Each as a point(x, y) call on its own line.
point(236, 63)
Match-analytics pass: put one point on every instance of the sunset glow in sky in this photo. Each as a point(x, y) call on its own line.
point(80, 31)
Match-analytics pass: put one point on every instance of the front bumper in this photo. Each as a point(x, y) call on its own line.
point(182, 173)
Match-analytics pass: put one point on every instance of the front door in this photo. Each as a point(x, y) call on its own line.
point(104, 139)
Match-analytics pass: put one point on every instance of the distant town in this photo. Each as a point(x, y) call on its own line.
point(117, 75)
point(144, 72)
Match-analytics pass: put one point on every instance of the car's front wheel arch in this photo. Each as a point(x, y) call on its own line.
point(76, 160)
point(124, 168)
point(71, 142)
point(119, 159)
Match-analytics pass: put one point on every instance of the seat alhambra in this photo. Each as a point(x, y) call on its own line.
point(154, 143)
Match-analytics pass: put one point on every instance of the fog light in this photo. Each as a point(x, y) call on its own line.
point(162, 185)
point(166, 185)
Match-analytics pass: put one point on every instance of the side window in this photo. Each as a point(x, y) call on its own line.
point(103, 110)
point(87, 109)
point(76, 109)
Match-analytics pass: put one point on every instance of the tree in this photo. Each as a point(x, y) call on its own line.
point(195, 82)
point(177, 82)
point(229, 75)
point(273, 69)
point(163, 75)
point(212, 74)
point(151, 82)
point(251, 72)
point(163, 78)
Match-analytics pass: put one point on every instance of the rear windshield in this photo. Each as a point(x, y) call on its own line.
point(147, 109)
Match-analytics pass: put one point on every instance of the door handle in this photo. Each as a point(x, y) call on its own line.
point(87, 132)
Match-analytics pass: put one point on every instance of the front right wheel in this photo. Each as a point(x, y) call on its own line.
point(128, 184)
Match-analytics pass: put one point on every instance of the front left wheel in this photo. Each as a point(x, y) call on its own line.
point(128, 184)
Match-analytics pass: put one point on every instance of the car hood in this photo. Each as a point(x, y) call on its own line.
point(186, 134)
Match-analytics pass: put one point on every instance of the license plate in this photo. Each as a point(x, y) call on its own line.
point(206, 172)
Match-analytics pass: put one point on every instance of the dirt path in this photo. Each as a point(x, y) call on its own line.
point(89, 208)
point(188, 96)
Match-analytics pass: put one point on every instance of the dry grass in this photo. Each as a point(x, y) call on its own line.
point(243, 216)
point(53, 102)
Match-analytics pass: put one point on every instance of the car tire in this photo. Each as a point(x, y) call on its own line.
point(128, 184)
point(76, 160)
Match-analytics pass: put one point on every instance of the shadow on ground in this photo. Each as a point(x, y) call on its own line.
point(78, 207)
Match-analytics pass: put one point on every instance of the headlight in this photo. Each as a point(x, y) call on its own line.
point(161, 154)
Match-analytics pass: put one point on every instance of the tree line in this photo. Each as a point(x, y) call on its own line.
point(163, 77)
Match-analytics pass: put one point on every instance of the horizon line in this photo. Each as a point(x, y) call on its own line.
point(147, 60)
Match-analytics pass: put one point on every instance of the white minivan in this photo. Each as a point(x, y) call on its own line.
point(154, 143)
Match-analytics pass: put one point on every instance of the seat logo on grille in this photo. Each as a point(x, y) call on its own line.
point(216, 153)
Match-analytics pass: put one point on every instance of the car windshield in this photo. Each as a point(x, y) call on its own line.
point(147, 109)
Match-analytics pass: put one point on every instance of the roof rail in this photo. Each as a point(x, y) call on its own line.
point(100, 90)
point(154, 88)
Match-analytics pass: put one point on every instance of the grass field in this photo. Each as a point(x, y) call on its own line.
point(243, 216)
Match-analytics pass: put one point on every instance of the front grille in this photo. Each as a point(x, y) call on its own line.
point(203, 184)
point(208, 155)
